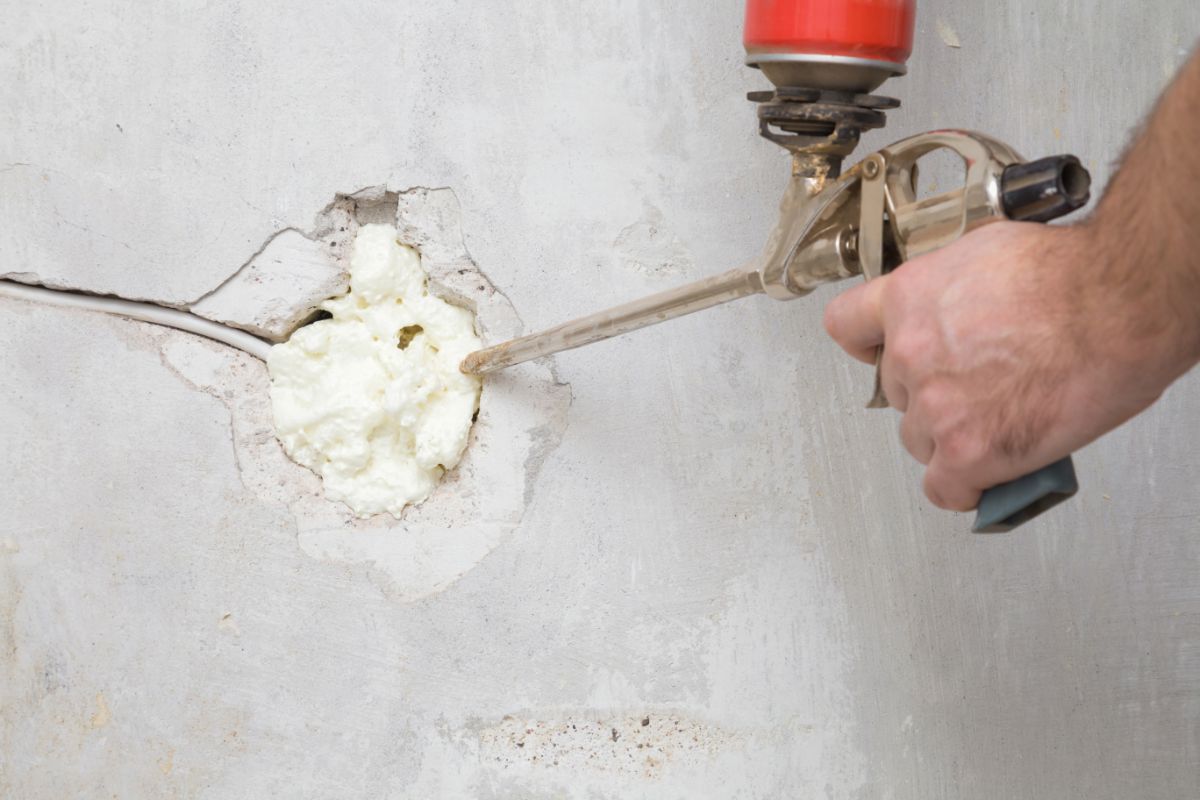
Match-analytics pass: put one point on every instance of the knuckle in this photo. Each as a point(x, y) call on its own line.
point(906, 349)
point(960, 447)
point(935, 403)
point(938, 408)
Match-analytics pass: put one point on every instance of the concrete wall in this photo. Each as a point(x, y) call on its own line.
point(718, 577)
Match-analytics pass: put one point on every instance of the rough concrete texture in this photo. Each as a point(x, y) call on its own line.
point(724, 543)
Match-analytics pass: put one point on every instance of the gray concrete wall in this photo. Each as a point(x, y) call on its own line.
point(714, 574)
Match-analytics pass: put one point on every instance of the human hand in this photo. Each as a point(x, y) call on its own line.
point(1004, 354)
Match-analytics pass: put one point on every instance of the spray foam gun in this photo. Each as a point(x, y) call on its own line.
point(864, 222)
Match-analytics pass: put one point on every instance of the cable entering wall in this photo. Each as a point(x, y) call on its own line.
point(143, 312)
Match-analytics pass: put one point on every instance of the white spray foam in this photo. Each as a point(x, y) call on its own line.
point(372, 400)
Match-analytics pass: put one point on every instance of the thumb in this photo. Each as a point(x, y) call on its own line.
point(854, 319)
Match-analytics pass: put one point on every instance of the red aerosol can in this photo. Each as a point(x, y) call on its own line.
point(838, 45)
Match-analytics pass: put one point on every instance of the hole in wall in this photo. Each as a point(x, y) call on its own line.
point(406, 335)
point(517, 424)
point(333, 376)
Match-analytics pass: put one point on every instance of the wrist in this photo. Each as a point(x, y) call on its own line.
point(1141, 303)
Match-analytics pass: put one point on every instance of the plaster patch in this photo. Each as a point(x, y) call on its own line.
point(239, 382)
point(650, 247)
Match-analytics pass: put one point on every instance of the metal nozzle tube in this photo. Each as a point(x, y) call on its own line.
point(650, 310)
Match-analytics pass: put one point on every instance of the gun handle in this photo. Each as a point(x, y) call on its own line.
point(1008, 505)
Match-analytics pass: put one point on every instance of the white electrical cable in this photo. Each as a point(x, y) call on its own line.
point(144, 312)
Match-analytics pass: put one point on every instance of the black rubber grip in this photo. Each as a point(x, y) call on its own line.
point(1042, 190)
point(1008, 505)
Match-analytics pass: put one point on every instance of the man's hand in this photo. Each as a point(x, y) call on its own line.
point(1004, 354)
point(1020, 343)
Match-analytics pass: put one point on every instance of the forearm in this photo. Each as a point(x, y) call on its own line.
point(1145, 233)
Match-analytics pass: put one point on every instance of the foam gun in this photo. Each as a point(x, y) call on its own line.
point(825, 58)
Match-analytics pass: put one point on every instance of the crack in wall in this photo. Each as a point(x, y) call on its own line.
point(245, 265)
point(160, 337)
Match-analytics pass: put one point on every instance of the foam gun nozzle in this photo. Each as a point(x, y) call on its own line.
point(1042, 190)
